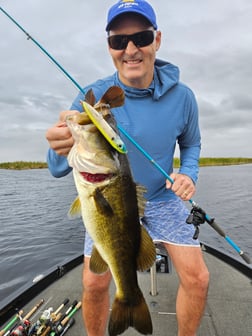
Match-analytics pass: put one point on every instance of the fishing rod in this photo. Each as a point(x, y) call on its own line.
point(54, 319)
point(24, 321)
point(55, 316)
point(43, 325)
point(72, 312)
point(34, 309)
point(68, 326)
point(51, 321)
point(65, 322)
point(64, 303)
point(58, 327)
point(9, 325)
point(198, 215)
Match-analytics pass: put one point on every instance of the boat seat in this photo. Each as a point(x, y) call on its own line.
point(162, 265)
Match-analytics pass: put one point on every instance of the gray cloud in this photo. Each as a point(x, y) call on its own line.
point(209, 40)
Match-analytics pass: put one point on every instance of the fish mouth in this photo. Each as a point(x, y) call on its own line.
point(96, 178)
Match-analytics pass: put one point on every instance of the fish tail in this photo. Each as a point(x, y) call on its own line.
point(125, 315)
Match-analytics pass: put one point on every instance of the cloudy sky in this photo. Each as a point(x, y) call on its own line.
point(210, 40)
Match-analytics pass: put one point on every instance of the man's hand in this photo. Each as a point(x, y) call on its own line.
point(59, 137)
point(183, 186)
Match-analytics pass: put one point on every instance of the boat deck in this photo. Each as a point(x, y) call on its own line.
point(228, 310)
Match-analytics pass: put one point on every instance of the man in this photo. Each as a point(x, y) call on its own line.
point(158, 112)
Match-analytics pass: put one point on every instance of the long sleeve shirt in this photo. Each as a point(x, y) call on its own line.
point(157, 118)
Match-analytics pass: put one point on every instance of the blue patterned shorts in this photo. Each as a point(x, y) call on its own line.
point(165, 221)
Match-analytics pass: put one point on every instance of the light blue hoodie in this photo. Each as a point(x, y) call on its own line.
point(156, 118)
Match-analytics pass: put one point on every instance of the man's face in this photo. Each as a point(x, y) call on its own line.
point(135, 65)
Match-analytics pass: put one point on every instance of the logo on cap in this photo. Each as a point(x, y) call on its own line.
point(141, 7)
point(127, 3)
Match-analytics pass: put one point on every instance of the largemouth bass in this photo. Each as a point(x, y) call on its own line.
point(107, 200)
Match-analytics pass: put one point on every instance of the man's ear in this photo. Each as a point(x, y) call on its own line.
point(158, 39)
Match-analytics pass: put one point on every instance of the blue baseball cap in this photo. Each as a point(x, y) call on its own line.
point(141, 7)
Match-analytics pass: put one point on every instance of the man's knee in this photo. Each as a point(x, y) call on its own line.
point(203, 277)
point(190, 266)
point(197, 278)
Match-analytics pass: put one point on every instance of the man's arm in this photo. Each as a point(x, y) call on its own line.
point(190, 145)
point(60, 141)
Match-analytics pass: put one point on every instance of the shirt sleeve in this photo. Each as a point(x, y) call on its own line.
point(57, 164)
point(190, 140)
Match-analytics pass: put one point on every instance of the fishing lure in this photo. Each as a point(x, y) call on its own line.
point(109, 134)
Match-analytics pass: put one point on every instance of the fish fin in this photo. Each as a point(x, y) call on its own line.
point(102, 204)
point(114, 97)
point(89, 97)
point(83, 118)
point(97, 263)
point(141, 201)
point(125, 315)
point(147, 251)
point(75, 209)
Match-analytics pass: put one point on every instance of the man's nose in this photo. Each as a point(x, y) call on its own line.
point(131, 47)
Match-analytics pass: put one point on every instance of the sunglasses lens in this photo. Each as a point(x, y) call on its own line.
point(118, 42)
point(142, 39)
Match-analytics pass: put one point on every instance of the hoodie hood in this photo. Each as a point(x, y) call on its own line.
point(166, 76)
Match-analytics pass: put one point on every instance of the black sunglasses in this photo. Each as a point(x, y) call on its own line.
point(141, 39)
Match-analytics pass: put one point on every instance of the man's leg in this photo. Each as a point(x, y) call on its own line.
point(95, 300)
point(193, 287)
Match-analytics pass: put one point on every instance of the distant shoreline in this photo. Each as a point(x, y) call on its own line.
point(204, 161)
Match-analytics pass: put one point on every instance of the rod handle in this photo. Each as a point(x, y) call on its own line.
point(32, 311)
point(13, 320)
point(245, 257)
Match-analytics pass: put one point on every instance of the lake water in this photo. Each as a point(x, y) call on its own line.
point(36, 234)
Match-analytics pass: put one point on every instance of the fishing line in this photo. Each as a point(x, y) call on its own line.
point(198, 215)
point(29, 37)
